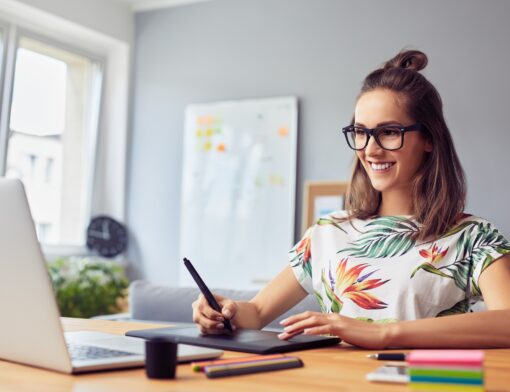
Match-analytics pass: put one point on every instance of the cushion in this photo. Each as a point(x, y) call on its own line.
point(149, 301)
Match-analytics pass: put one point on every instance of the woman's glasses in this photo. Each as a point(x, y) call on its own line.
point(388, 137)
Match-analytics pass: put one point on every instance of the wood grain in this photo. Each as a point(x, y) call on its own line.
point(341, 368)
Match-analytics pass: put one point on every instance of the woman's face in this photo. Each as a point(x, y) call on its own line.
point(389, 170)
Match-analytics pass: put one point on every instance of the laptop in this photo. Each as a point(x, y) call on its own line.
point(31, 331)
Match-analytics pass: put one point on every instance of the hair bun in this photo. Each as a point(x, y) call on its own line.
point(408, 59)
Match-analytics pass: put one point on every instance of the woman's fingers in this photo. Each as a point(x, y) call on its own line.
point(298, 317)
point(299, 323)
point(208, 320)
point(228, 308)
point(321, 330)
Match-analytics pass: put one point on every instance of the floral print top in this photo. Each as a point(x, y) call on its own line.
point(376, 271)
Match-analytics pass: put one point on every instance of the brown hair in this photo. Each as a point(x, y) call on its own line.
point(439, 187)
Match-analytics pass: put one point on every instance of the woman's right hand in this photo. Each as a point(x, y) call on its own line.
point(208, 320)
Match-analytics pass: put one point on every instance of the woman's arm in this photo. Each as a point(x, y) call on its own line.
point(281, 294)
point(480, 329)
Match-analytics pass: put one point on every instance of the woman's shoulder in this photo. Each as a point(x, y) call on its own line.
point(466, 219)
point(471, 224)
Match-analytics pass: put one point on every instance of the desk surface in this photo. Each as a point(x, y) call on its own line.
point(339, 368)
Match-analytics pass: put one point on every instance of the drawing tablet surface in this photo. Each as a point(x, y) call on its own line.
point(245, 340)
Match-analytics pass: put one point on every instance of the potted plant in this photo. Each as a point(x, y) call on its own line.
point(88, 286)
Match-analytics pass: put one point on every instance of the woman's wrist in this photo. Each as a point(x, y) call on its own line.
point(391, 334)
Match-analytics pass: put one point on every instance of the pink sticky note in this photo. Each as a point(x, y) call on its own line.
point(446, 357)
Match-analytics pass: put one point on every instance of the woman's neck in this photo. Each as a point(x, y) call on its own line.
point(396, 202)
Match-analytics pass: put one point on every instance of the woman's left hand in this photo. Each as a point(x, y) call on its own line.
point(352, 331)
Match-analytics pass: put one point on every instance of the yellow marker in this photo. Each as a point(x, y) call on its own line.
point(209, 132)
point(207, 145)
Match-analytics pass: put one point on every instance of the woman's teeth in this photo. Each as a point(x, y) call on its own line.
point(381, 166)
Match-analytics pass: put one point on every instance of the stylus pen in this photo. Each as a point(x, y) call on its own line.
point(205, 290)
point(388, 356)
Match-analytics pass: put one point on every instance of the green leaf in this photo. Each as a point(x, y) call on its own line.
point(459, 228)
point(430, 268)
point(460, 273)
point(389, 236)
point(326, 221)
point(336, 306)
point(458, 308)
point(318, 296)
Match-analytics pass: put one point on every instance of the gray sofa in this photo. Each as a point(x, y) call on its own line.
point(151, 302)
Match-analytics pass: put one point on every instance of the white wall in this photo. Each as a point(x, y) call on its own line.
point(110, 17)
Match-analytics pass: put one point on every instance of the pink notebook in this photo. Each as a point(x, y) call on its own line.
point(446, 357)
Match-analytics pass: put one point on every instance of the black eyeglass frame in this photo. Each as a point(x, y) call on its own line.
point(372, 132)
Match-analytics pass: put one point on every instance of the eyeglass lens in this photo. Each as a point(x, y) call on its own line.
point(389, 138)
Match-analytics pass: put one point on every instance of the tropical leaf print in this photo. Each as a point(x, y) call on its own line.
point(476, 244)
point(318, 296)
point(387, 237)
point(459, 228)
point(302, 254)
point(348, 284)
point(459, 308)
point(336, 303)
point(329, 221)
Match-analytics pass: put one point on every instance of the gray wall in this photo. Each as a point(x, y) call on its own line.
point(318, 50)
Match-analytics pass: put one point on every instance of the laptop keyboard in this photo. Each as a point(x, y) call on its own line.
point(80, 352)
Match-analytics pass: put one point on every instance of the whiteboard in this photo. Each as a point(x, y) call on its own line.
point(238, 191)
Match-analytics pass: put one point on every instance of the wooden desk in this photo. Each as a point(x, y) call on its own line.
point(329, 369)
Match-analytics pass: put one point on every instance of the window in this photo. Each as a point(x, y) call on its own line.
point(51, 135)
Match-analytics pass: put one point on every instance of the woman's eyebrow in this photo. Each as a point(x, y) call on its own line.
point(381, 124)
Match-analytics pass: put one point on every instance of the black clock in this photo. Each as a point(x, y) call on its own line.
point(106, 236)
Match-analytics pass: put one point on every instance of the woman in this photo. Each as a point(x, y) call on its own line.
point(402, 266)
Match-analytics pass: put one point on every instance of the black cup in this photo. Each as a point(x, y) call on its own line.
point(160, 358)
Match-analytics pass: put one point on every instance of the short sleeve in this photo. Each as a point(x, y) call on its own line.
point(487, 245)
point(300, 257)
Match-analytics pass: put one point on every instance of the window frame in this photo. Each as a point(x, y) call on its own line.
point(12, 34)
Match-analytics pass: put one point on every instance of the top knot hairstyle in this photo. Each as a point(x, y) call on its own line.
point(411, 59)
point(439, 187)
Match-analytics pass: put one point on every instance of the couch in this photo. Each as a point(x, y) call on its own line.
point(152, 302)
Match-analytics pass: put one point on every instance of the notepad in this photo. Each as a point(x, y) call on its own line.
point(446, 370)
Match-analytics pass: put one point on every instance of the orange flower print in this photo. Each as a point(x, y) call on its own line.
point(349, 284)
point(434, 255)
point(304, 248)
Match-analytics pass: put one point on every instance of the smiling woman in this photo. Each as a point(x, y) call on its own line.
point(403, 265)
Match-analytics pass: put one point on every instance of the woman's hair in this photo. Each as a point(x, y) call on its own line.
point(439, 187)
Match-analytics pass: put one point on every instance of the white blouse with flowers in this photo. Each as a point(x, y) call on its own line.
point(376, 271)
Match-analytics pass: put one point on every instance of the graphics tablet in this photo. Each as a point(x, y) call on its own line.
point(245, 340)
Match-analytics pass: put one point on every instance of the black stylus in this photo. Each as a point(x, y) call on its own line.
point(205, 290)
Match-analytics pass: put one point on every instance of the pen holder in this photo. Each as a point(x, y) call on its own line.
point(160, 358)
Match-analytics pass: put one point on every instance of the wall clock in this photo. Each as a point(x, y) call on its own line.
point(106, 236)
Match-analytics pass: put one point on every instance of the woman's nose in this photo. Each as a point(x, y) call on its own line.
point(372, 147)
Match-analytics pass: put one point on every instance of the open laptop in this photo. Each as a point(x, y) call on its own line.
point(31, 331)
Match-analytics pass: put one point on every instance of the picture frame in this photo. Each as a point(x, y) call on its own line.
point(321, 198)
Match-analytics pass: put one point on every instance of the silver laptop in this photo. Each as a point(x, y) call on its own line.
point(30, 331)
